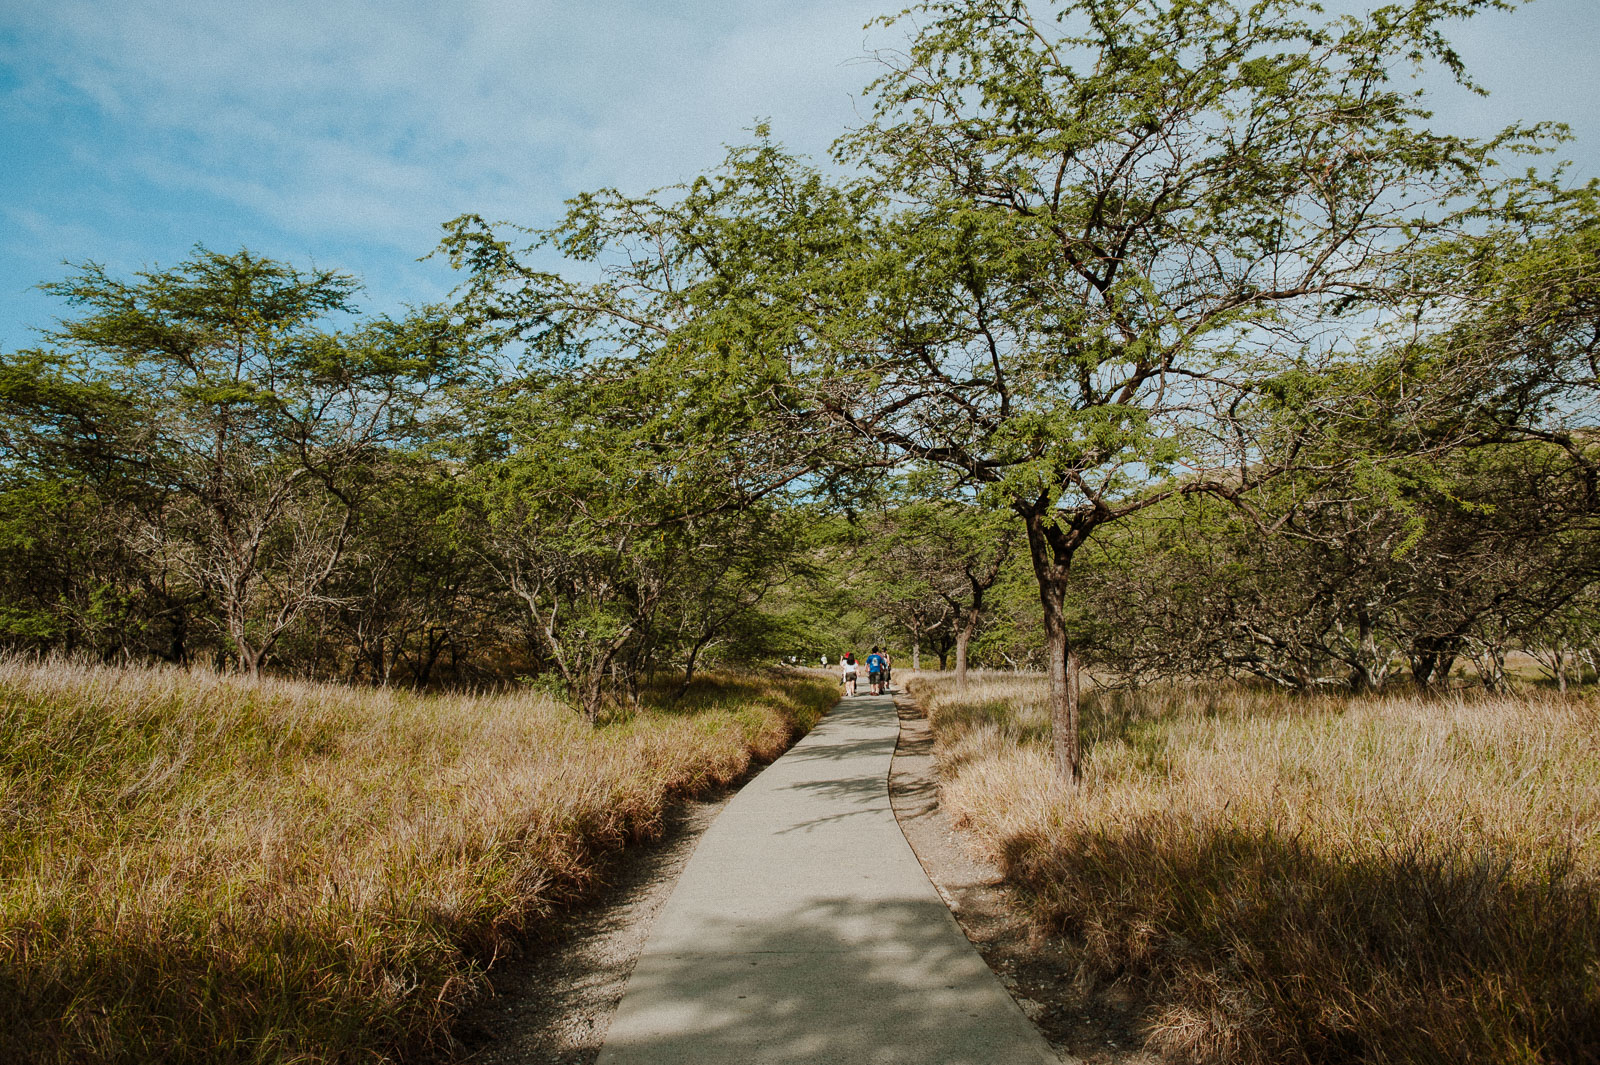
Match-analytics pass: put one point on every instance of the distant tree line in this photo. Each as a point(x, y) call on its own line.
point(203, 466)
point(1168, 337)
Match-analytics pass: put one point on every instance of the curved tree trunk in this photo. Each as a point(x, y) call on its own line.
point(1492, 670)
point(591, 695)
point(1432, 659)
point(688, 667)
point(250, 658)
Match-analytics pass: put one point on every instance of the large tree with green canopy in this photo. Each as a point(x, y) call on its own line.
point(220, 401)
point(1080, 252)
point(619, 513)
point(1132, 226)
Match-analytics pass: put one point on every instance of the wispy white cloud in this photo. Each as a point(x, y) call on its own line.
point(347, 114)
point(350, 129)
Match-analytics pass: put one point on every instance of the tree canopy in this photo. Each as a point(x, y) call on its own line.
point(1187, 298)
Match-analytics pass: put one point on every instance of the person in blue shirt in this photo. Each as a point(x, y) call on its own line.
point(875, 667)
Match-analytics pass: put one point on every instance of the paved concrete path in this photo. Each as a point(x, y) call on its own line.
point(804, 930)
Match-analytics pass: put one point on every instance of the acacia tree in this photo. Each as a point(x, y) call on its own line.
point(1130, 224)
point(902, 589)
point(740, 556)
point(1084, 251)
point(413, 597)
point(1490, 394)
point(1199, 587)
point(1466, 554)
point(69, 576)
point(215, 398)
point(624, 500)
point(942, 552)
point(577, 512)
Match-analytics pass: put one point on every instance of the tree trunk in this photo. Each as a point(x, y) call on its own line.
point(1424, 666)
point(1492, 670)
point(250, 658)
point(178, 638)
point(435, 641)
point(382, 665)
point(1432, 658)
point(688, 667)
point(1364, 676)
point(1063, 669)
point(589, 695)
point(979, 581)
point(916, 653)
point(1051, 548)
point(963, 639)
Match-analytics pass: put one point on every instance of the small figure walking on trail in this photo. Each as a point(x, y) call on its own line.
point(888, 668)
point(847, 669)
point(875, 668)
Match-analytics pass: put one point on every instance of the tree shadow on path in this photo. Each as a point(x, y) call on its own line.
point(843, 981)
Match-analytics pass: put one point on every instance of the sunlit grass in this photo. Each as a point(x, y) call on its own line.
point(195, 868)
point(1307, 880)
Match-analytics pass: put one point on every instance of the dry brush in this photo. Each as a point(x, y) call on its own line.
point(195, 868)
point(1382, 879)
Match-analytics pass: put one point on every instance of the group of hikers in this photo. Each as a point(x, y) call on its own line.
point(878, 666)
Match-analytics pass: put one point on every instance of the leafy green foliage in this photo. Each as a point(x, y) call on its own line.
point(232, 434)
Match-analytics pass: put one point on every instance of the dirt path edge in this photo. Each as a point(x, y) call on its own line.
point(552, 1003)
point(1094, 1029)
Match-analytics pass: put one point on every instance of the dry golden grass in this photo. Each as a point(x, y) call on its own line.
point(195, 868)
point(1307, 880)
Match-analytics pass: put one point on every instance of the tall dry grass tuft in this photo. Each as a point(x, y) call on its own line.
point(1306, 880)
point(195, 868)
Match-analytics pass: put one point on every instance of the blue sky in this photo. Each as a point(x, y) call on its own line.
point(343, 133)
